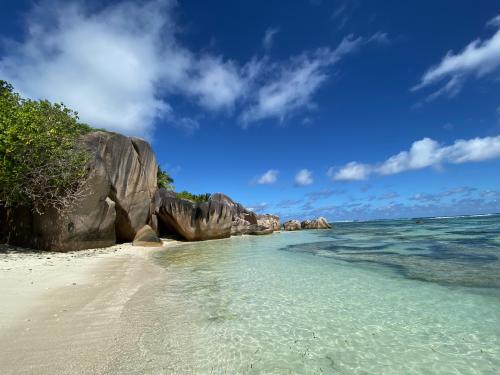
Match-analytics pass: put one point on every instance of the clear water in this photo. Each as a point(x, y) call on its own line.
point(388, 297)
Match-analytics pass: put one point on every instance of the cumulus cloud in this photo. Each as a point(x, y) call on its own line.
point(107, 65)
point(268, 40)
point(216, 84)
point(121, 65)
point(352, 171)
point(303, 177)
point(111, 64)
point(423, 154)
point(268, 178)
point(479, 58)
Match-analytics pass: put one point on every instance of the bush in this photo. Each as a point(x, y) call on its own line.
point(41, 162)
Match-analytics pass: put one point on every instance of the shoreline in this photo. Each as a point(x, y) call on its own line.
point(61, 312)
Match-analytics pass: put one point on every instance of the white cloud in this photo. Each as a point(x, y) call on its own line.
point(380, 37)
point(303, 177)
point(216, 83)
point(296, 82)
point(270, 177)
point(423, 154)
point(494, 22)
point(352, 171)
point(478, 58)
point(120, 65)
point(105, 65)
point(109, 65)
point(268, 40)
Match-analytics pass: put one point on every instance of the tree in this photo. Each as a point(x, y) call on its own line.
point(193, 197)
point(42, 163)
point(164, 180)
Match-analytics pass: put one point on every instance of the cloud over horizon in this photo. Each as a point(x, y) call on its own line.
point(424, 153)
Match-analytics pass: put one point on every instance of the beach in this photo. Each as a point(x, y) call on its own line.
point(61, 312)
point(387, 297)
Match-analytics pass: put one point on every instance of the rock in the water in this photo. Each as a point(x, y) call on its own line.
point(292, 225)
point(269, 221)
point(259, 230)
point(120, 187)
point(146, 236)
point(193, 221)
point(319, 223)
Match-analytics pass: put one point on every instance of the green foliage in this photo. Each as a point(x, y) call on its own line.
point(164, 180)
point(42, 163)
point(193, 197)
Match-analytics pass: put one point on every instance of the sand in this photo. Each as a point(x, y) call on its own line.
point(61, 313)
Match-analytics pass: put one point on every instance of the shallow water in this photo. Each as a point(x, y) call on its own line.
point(388, 297)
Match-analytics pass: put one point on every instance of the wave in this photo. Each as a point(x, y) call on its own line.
point(460, 216)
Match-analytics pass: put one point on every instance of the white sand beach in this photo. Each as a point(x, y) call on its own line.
point(61, 312)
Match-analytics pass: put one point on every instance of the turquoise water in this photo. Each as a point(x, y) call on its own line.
point(387, 297)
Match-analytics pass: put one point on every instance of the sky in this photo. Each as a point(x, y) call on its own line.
point(352, 110)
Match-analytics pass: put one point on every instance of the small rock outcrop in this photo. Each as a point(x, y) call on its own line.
point(319, 223)
point(259, 230)
point(292, 225)
point(269, 221)
point(120, 186)
point(146, 236)
point(193, 221)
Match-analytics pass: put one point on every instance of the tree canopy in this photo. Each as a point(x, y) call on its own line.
point(42, 163)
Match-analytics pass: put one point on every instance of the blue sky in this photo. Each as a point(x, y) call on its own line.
point(346, 109)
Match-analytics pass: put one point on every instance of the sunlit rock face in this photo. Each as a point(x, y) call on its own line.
point(219, 217)
point(269, 221)
point(319, 223)
point(243, 220)
point(292, 225)
point(193, 221)
point(120, 186)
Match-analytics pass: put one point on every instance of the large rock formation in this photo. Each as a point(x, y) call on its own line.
point(292, 225)
point(193, 221)
point(269, 221)
point(219, 217)
point(243, 221)
point(120, 186)
point(319, 223)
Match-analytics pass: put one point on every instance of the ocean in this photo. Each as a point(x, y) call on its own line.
point(380, 297)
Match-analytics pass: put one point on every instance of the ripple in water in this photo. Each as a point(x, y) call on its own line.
point(363, 298)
